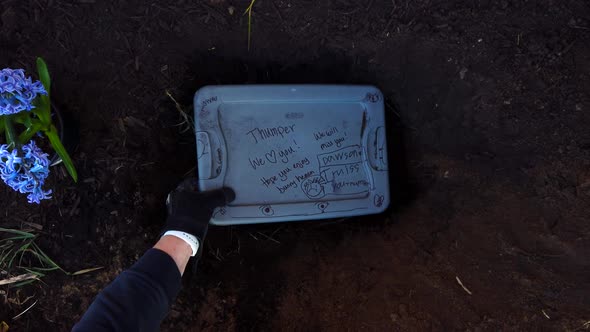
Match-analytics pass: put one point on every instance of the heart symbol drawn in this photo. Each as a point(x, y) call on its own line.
point(271, 157)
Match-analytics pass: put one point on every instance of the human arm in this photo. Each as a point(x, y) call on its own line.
point(177, 249)
point(140, 297)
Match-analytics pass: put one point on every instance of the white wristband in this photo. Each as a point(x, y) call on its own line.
point(191, 240)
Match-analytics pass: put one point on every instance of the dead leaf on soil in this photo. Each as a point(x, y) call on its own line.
point(22, 277)
point(77, 273)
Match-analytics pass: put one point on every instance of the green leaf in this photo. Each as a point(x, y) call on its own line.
point(61, 152)
point(27, 121)
point(19, 117)
point(2, 121)
point(43, 74)
point(42, 109)
point(10, 137)
point(26, 135)
point(42, 103)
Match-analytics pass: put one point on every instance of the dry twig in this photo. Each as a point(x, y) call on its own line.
point(27, 309)
point(463, 286)
point(185, 118)
point(19, 278)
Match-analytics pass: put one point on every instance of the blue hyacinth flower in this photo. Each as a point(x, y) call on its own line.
point(25, 170)
point(17, 92)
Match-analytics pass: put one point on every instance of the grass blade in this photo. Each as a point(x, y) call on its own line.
point(249, 12)
point(15, 238)
point(20, 250)
point(44, 269)
point(49, 261)
point(15, 231)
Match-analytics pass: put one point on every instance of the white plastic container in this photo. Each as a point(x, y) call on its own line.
point(292, 152)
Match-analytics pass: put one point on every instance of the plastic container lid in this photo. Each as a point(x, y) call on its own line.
point(292, 152)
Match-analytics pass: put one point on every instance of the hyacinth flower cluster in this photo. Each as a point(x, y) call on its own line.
point(25, 112)
point(25, 172)
point(17, 92)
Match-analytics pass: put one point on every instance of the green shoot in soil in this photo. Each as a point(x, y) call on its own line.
point(249, 12)
point(19, 254)
point(22, 258)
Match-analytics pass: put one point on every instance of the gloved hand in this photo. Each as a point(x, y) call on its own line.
point(189, 210)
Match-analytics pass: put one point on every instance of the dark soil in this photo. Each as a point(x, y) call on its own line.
point(489, 102)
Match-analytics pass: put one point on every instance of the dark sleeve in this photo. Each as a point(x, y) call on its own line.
point(138, 300)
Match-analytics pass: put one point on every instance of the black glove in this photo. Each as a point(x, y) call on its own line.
point(190, 210)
